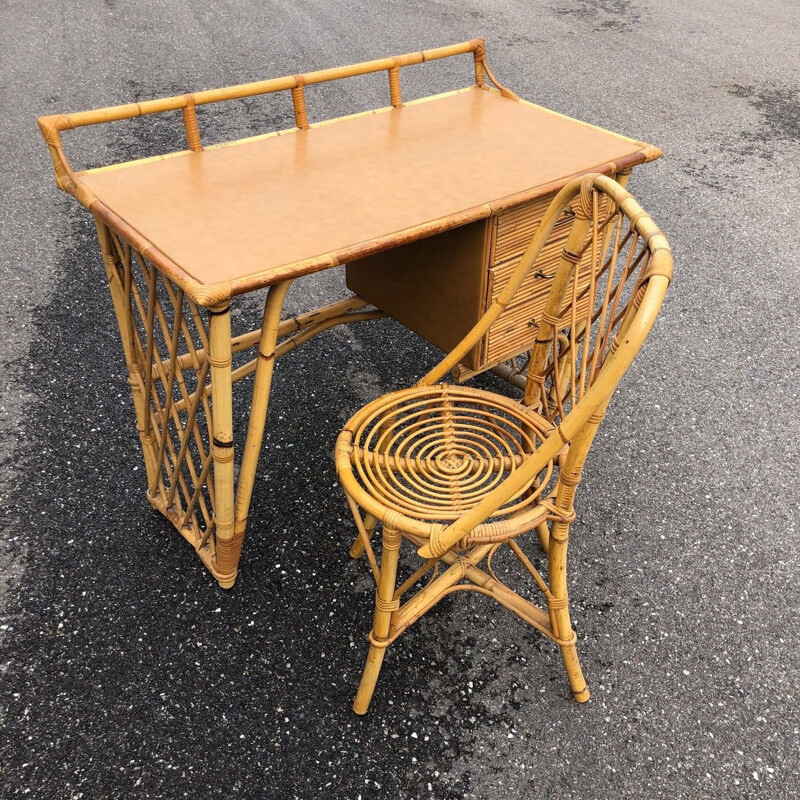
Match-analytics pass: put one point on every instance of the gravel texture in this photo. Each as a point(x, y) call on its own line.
point(128, 673)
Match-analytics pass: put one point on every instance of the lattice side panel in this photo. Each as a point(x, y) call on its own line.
point(165, 336)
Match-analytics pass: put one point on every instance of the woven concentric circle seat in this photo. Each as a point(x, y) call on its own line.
point(431, 453)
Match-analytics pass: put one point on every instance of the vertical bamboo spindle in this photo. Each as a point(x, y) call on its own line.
point(621, 177)
point(546, 334)
point(227, 553)
point(394, 86)
point(480, 55)
point(190, 124)
point(299, 103)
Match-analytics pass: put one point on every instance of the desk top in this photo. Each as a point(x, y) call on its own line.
point(251, 213)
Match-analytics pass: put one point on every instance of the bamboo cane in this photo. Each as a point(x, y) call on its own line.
point(227, 546)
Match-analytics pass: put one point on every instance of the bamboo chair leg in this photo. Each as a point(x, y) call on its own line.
point(385, 607)
point(357, 550)
point(569, 652)
point(559, 610)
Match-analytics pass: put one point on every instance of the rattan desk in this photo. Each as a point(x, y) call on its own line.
point(182, 234)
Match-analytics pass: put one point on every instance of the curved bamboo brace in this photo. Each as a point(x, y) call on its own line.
point(340, 311)
point(258, 412)
point(482, 72)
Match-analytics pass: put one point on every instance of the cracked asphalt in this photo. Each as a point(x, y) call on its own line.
point(128, 673)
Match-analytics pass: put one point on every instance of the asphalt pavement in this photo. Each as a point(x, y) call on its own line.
point(128, 673)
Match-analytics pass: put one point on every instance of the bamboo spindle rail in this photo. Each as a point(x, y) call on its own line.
point(52, 126)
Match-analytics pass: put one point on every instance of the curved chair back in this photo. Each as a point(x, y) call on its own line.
point(599, 312)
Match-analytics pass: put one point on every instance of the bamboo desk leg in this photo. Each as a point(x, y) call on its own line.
point(226, 558)
point(185, 421)
point(230, 517)
point(258, 416)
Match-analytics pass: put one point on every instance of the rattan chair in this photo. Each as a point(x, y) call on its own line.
point(459, 472)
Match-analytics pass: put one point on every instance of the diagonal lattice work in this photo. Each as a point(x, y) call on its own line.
point(182, 362)
point(165, 337)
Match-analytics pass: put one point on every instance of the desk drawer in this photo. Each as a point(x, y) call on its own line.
point(515, 328)
point(514, 230)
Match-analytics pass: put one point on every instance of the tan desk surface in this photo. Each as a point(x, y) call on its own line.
point(263, 210)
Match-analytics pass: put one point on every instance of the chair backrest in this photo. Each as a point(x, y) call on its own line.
point(612, 252)
point(599, 312)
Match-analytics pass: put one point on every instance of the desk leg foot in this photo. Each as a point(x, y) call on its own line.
point(369, 678)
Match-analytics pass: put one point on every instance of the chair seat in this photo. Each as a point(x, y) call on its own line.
point(432, 453)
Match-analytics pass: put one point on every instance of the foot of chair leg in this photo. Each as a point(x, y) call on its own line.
point(227, 583)
point(576, 680)
point(581, 697)
point(368, 679)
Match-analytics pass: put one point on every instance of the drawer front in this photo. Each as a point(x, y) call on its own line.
point(515, 229)
point(515, 328)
